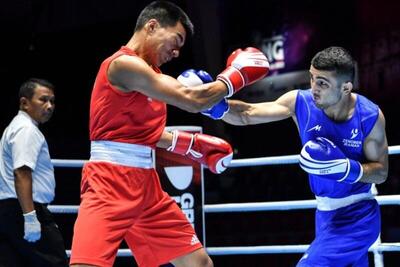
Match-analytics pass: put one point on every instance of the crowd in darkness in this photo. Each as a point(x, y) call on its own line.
point(65, 44)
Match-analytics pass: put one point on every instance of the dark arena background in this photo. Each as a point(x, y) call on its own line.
point(65, 41)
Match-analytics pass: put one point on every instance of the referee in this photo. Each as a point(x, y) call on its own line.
point(28, 233)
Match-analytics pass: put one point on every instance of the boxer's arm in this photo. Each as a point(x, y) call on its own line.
point(376, 152)
point(165, 140)
point(129, 73)
point(242, 113)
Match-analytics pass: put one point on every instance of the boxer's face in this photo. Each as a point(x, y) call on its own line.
point(41, 106)
point(325, 87)
point(167, 42)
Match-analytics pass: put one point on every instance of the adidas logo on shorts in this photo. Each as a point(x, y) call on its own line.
point(194, 240)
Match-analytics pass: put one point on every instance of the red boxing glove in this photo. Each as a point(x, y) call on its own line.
point(244, 67)
point(211, 151)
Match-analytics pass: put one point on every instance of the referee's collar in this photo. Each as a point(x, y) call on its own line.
point(23, 113)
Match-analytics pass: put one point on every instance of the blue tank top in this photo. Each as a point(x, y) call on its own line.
point(348, 135)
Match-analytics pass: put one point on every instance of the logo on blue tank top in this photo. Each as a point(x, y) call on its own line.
point(351, 142)
point(315, 128)
point(354, 133)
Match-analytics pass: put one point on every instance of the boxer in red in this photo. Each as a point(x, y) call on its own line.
point(121, 197)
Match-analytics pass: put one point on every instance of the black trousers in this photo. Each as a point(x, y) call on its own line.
point(15, 251)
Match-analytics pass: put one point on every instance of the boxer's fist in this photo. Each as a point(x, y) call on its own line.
point(323, 158)
point(218, 111)
point(193, 77)
point(211, 151)
point(244, 67)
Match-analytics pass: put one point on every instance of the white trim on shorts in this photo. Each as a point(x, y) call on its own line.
point(131, 155)
point(327, 203)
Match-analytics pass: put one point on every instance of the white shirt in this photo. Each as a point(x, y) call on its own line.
point(22, 144)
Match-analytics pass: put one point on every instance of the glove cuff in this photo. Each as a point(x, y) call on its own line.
point(233, 79)
point(181, 142)
point(354, 172)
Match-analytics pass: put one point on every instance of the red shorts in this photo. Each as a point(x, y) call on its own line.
point(119, 202)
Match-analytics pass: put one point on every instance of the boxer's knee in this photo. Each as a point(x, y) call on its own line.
point(198, 258)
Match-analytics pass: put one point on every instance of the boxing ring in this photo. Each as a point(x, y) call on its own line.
point(377, 248)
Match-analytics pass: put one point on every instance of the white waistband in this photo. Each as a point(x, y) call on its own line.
point(327, 203)
point(131, 155)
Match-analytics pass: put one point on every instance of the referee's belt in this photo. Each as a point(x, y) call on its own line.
point(328, 203)
point(125, 154)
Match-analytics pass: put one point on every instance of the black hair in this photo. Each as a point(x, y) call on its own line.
point(27, 89)
point(336, 59)
point(167, 14)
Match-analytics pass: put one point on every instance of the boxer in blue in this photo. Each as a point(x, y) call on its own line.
point(344, 151)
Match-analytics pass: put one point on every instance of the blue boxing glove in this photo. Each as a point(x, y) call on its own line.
point(193, 77)
point(321, 157)
point(218, 110)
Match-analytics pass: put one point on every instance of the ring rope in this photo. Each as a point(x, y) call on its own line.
point(250, 206)
point(274, 249)
point(284, 205)
point(281, 249)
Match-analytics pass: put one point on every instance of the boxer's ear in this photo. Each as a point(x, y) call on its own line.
point(347, 87)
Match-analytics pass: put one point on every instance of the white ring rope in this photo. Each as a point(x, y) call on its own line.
point(68, 163)
point(290, 159)
point(279, 249)
point(383, 247)
point(284, 205)
point(249, 207)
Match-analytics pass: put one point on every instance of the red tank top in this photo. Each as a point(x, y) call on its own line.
point(128, 117)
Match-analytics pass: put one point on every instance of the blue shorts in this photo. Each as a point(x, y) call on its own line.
point(343, 236)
